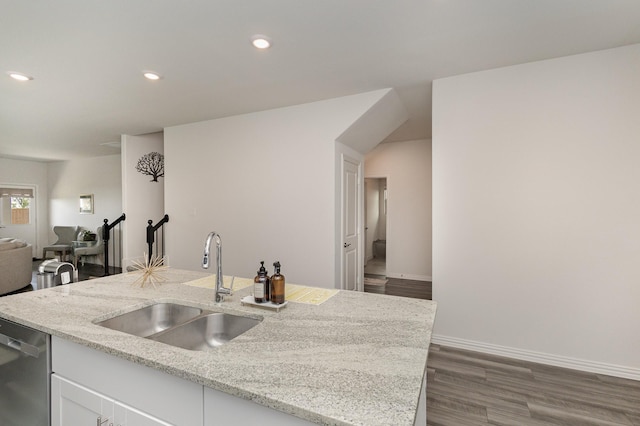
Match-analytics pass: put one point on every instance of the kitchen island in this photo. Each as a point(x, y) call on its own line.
point(356, 359)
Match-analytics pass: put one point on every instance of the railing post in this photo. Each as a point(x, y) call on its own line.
point(151, 233)
point(105, 240)
point(150, 238)
point(106, 234)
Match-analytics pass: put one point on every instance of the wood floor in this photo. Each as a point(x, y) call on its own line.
point(469, 388)
point(398, 287)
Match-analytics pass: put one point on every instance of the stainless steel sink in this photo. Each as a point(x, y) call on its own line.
point(206, 332)
point(151, 319)
point(182, 326)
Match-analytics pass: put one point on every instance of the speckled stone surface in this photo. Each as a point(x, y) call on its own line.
point(357, 359)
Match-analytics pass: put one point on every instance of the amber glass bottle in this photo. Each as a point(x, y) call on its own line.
point(277, 285)
point(261, 285)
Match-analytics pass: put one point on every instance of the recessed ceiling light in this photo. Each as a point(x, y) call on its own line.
point(260, 42)
point(19, 76)
point(151, 75)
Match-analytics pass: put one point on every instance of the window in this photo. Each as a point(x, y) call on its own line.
point(16, 205)
point(20, 210)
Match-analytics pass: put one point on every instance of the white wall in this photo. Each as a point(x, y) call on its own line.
point(536, 213)
point(20, 172)
point(142, 199)
point(407, 167)
point(99, 176)
point(266, 182)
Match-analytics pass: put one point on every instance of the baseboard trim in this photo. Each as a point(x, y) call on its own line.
point(539, 357)
point(403, 276)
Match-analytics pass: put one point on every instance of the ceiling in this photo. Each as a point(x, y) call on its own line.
point(87, 58)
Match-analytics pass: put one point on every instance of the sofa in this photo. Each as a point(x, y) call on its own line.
point(16, 260)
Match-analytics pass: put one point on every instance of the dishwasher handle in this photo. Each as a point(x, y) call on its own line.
point(19, 346)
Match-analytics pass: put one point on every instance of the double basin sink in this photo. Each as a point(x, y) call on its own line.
point(183, 326)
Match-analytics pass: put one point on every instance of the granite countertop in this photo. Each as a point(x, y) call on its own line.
point(356, 359)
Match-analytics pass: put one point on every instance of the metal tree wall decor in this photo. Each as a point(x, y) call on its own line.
point(151, 164)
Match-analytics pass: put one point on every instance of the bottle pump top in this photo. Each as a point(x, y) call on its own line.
point(262, 270)
point(277, 266)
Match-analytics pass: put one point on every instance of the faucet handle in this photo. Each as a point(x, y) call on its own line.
point(226, 290)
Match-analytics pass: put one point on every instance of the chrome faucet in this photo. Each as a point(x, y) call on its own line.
point(220, 289)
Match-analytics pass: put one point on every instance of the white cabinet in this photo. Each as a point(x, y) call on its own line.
point(74, 404)
point(139, 395)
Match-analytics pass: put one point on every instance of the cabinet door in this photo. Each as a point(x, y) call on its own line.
point(72, 404)
point(128, 416)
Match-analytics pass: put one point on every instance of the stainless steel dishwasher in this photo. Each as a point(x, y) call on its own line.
point(25, 366)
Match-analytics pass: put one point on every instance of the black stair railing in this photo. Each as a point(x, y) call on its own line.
point(107, 229)
point(154, 231)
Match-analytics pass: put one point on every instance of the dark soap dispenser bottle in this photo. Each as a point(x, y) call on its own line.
point(261, 285)
point(277, 285)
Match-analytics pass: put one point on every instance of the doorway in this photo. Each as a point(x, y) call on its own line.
point(375, 200)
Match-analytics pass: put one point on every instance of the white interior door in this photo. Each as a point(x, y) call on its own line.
point(350, 225)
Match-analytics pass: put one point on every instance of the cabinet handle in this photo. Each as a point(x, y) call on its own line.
point(100, 422)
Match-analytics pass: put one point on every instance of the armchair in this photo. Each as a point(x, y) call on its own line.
point(66, 235)
point(93, 248)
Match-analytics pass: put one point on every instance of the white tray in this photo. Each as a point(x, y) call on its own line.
point(249, 300)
